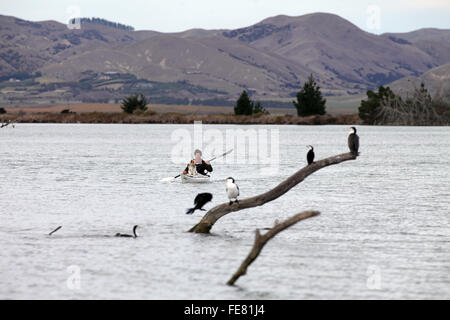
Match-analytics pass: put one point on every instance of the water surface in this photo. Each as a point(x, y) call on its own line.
point(387, 212)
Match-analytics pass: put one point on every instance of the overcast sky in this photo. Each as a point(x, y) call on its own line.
point(376, 16)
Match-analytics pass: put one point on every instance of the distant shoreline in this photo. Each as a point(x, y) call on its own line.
point(177, 118)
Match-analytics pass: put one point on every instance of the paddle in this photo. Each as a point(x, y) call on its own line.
point(170, 179)
point(222, 155)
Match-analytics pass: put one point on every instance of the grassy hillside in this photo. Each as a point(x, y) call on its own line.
point(46, 63)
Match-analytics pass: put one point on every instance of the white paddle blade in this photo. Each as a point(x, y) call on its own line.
point(222, 155)
point(168, 179)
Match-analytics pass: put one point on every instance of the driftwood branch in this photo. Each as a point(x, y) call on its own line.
point(214, 214)
point(261, 240)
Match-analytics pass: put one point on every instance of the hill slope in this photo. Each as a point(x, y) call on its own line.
point(436, 80)
point(271, 59)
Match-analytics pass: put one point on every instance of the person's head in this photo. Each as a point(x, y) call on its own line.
point(197, 154)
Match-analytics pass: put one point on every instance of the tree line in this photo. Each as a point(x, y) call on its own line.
point(387, 108)
point(382, 107)
point(107, 23)
point(309, 101)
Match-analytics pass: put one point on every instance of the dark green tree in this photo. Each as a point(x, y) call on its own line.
point(243, 105)
point(369, 110)
point(309, 99)
point(134, 102)
point(258, 108)
point(2, 110)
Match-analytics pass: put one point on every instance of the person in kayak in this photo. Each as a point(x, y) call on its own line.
point(200, 165)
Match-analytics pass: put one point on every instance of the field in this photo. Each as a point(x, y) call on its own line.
point(115, 108)
point(335, 105)
point(174, 118)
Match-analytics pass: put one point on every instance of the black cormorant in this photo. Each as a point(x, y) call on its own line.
point(200, 200)
point(353, 141)
point(310, 155)
point(128, 235)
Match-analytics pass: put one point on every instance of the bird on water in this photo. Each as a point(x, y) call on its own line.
point(200, 200)
point(232, 190)
point(310, 155)
point(353, 141)
point(135, 235)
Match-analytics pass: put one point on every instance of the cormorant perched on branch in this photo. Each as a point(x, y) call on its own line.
point(353, 141)
point(310, 155)
point(232, 190)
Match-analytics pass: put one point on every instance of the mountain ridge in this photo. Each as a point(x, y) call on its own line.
point(271, 58)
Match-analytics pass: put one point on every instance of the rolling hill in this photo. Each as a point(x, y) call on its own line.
point(46, 61)
point(436, 80)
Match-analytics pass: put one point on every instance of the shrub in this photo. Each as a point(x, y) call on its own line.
point(134, 102)
point(259, 109)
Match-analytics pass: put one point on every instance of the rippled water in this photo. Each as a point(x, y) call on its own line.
point(383, 231)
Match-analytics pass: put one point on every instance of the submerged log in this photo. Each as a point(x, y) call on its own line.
point(261, 240)
point(214, 214)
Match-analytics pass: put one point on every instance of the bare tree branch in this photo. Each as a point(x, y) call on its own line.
point(214, 214)
point(415, 110)
point(261, 240)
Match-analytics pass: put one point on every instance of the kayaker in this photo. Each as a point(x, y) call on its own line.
point(200, 164)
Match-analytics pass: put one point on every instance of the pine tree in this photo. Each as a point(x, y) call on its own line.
point(309, 99)
point(243, 105)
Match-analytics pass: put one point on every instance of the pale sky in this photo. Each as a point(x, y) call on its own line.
point(376, 16)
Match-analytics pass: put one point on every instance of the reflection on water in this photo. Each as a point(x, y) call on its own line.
point(387, 212)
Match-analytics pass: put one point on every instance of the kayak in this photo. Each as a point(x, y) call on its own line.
point(185, 178)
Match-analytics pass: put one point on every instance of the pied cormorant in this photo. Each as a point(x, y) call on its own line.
point(232, 190)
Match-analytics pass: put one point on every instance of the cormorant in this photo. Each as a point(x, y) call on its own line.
point(310, 155)
point(353, 141)
point(200, 200)
point(135, 235)
point(232, 190)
